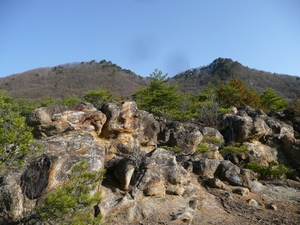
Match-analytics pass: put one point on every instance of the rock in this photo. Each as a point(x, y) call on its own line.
point(236, 179)
point(156, 187)
point(183, 217)
point(43, 115)
point(256, 204)
point(212, 154)
point(242, 127)
point(185, 136)
point(85, 107)
point(216, 183)
point(148, 131)
point(66, 150)
point(121, 118)
point(260, 153)
point(213, 140)
point(129, 129)
point(241, 191)
point(148, 185)
point(11, 199)
point(197, 204)
point(226, 166)
point(124, 171)
point(235, 128)
point(278, 128)
point(126, 143)
point(124, 211)
point(272, 206)
point(35, 178)
point(206, 167)
point(213, 133)
point(50, 121)
point(162, 165)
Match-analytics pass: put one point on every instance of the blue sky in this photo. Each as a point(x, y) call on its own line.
point(141, 35)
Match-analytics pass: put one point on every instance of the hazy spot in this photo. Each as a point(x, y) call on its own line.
point(176, 62)
point(142, 48)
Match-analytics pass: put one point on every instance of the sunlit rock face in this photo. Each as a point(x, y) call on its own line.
point(146, 181)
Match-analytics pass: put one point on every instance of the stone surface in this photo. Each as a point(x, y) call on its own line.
point(149, 185)
point(243, 127)
point(185, 136)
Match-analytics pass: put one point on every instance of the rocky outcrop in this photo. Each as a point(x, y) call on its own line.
point(246, 125)
point(185, 136)
point(50, 121)
point(129, 129)
point(146, 183)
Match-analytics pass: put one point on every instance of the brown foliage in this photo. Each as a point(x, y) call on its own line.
point(236, 93)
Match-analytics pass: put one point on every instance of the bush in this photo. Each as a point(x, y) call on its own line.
point(274, 171)
point(173, 148)
point(211, 140)
point(98, 97)
point(70, 100)
point(235, 149)
point(202, 148)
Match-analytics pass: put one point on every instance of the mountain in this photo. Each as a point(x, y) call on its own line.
point(73, 78)
point(78, 78)
point(222, 69)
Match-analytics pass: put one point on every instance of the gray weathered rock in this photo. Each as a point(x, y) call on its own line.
point(185, 136)
point(241, 191)
point(206, 167)
point(148, 131)
point(242, 127)
point(162, 165)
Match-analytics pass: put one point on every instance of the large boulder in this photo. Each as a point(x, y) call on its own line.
point(68, 149)
point(224, 170)
point(148, 131)
point(53, 120)
point(282, 134)
point(129, 128)
point(206, 167)
point(159, 171)
point(185, 136)
point(121, 118)
point(260, 153)
point(242, 127)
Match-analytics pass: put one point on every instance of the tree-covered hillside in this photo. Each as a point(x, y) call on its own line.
point(77, 78)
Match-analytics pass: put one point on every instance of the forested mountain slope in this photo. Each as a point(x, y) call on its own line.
point(221, 70)
point(78, 78)
point(75, 78)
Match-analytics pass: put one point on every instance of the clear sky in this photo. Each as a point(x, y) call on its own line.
point(141, 35)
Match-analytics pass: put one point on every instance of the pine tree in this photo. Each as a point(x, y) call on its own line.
point(270, 100)
point(159, 98)
point(16, 139)
point(72, 203)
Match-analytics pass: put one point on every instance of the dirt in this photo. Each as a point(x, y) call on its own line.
point(277, 203)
